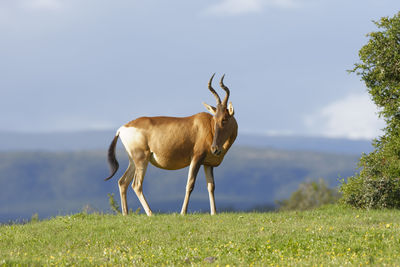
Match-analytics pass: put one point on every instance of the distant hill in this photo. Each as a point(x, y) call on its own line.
point(89, 140)
point(307, 143)
point(59, 141)
point(58, 182)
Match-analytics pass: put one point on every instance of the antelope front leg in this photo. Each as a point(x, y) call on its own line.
point(208, 170)
point(193, 170)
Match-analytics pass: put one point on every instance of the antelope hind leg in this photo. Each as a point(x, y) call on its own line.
point(123, 184)
point(137, 185)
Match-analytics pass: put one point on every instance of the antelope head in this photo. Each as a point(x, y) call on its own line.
point(223, 122)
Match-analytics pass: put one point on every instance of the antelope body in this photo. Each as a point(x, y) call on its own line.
point(173, 143)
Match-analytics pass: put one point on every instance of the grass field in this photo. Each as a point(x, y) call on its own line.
point(332, 235)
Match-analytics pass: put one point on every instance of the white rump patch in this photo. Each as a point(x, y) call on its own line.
point(130, 136)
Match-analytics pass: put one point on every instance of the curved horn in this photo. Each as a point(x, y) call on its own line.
point(225, 102)
point(213, 91)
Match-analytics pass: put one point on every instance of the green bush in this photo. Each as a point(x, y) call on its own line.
point(377, 185)
point(310, 195)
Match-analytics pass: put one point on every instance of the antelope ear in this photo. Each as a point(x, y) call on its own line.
point(211, 109)
point(230, 109)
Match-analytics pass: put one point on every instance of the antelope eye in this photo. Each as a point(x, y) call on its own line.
point(224, 121)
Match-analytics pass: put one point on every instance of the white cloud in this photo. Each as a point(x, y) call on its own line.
point(281, 3)
point(42, 4)
point(353, 117)
point(237, 7)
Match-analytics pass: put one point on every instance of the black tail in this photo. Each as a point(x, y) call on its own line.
point(112, 160)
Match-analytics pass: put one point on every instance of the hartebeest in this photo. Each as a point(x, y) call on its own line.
point(173, 143)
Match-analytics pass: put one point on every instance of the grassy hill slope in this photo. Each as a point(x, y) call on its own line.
point(330, 236)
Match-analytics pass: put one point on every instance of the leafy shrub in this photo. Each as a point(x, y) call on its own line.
point(310, 195)
point(372, 193)
point(377, 185)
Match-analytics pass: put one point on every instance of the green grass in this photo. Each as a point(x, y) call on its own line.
point(332, 235)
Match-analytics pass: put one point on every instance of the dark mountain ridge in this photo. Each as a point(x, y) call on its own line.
point(59, 182)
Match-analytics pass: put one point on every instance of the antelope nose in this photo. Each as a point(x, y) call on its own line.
point(215, 150)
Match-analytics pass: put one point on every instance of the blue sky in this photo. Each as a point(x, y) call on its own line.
point(95, 64)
